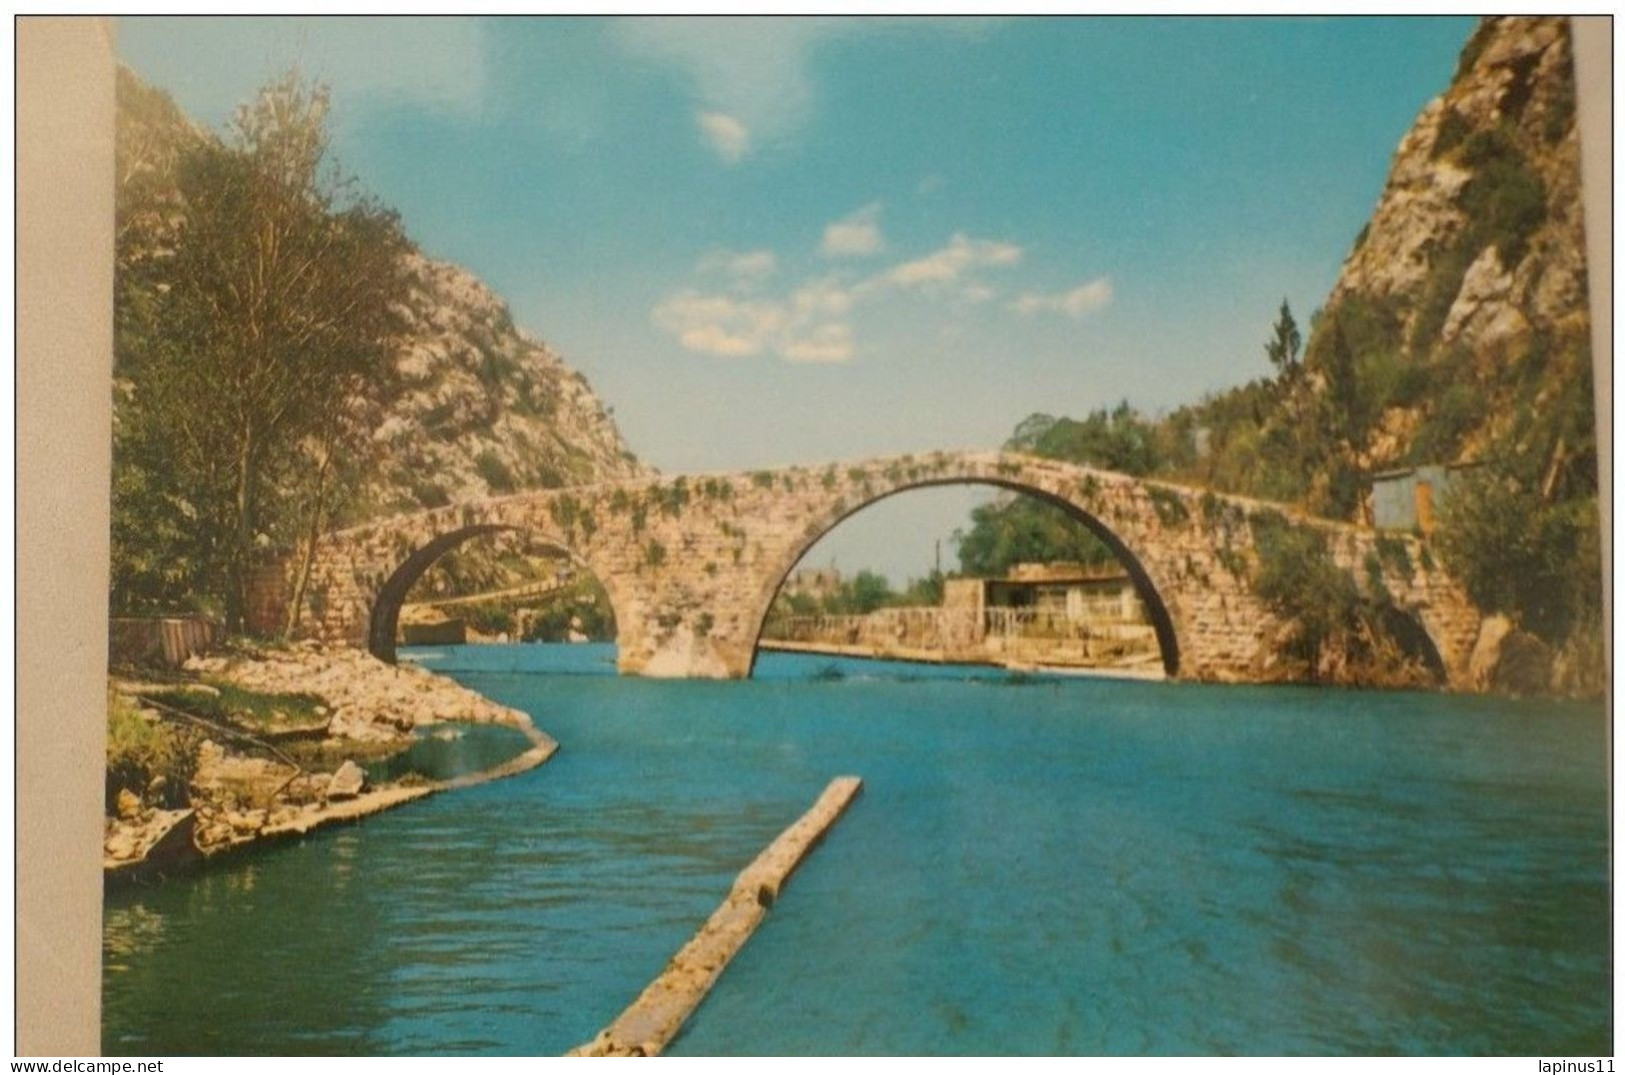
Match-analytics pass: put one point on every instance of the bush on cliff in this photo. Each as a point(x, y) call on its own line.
point(1339, 633)
point(1537, 562)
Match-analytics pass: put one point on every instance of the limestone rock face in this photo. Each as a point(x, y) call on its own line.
point(1474, 255)
point(1487, 651)
point(487, 409)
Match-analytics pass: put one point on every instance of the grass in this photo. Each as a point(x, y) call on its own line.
point(235, 705)
point(139, 751)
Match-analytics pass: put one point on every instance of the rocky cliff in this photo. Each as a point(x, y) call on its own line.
point(1470, 275)
point(486, 408)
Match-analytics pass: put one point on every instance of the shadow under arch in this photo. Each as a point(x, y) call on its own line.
point(384, 622)
point(1161, 621)
point(1412, 636)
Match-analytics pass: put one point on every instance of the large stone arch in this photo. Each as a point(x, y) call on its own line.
point(384, 618)
point(1162, 619)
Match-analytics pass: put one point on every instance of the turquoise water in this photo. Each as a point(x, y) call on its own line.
point(1036, 866)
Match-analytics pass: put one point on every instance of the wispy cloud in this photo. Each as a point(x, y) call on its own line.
point(951, 264)
point(739, 265)
point(1078, 303)
point(727, 136)
point(719, 324)
point(734, 314)
point(758, 71)
point(830, 342)
point(806, 325)
point(854, 236)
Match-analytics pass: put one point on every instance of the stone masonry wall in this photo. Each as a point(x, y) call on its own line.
point(691, 563)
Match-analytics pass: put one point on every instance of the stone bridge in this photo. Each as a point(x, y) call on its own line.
point(692, 563)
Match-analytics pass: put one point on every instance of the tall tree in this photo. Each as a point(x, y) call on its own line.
point(263, 336)
point(1283, 346)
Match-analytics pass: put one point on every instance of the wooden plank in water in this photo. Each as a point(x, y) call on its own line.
point(654, 1019)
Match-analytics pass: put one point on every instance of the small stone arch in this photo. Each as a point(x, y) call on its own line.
point(1408, 630)
point(1162, 620)
point(384, 620)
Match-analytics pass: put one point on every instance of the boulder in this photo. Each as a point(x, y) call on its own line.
point(1487, 651)
point(1507, 660)
point(129, 804)
point(245, 822)
point(347, 782)
point(1525, 666)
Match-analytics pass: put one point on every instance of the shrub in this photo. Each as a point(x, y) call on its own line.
point(1505, 199)
point(1538, 563)
point(139, 751)
point(1453, 130)
point(1298, 580)
point(495, 472)
point(1169, 506)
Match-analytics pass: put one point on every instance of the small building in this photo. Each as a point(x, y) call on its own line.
point(1068, 591)
point(1408, 498)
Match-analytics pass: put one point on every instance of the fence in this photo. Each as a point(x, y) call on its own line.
point(168, 640)
point(1024, 633)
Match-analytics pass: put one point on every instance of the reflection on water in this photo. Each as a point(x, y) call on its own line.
point(1072, 866)
point(128, 932)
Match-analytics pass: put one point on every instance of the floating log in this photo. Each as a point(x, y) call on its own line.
point(653, 1020)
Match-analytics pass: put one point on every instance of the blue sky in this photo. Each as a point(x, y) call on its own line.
point(797, 240)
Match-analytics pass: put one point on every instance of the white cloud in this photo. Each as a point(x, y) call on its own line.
point(831, 342)
point(854, 236)
point(803, 327)
point(728, 136)
point(735, 315)
point(962, 256)
point(740, 265)
point(1078, 303)
point(821, 298)
point(719, 324)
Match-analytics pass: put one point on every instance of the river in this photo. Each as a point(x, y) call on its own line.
point(1037, 865)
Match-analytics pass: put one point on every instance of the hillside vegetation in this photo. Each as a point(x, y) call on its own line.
point(1457, 333)
point(287, 361)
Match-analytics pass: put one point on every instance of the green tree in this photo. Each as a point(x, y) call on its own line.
point(1282, 347)
point(1022, 529)
point(1537, 562)
point(924, 592)
point(863, 593)
point(1119, 439)
point(256, 351)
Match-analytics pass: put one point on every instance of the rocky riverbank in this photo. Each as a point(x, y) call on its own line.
point(284, 777)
